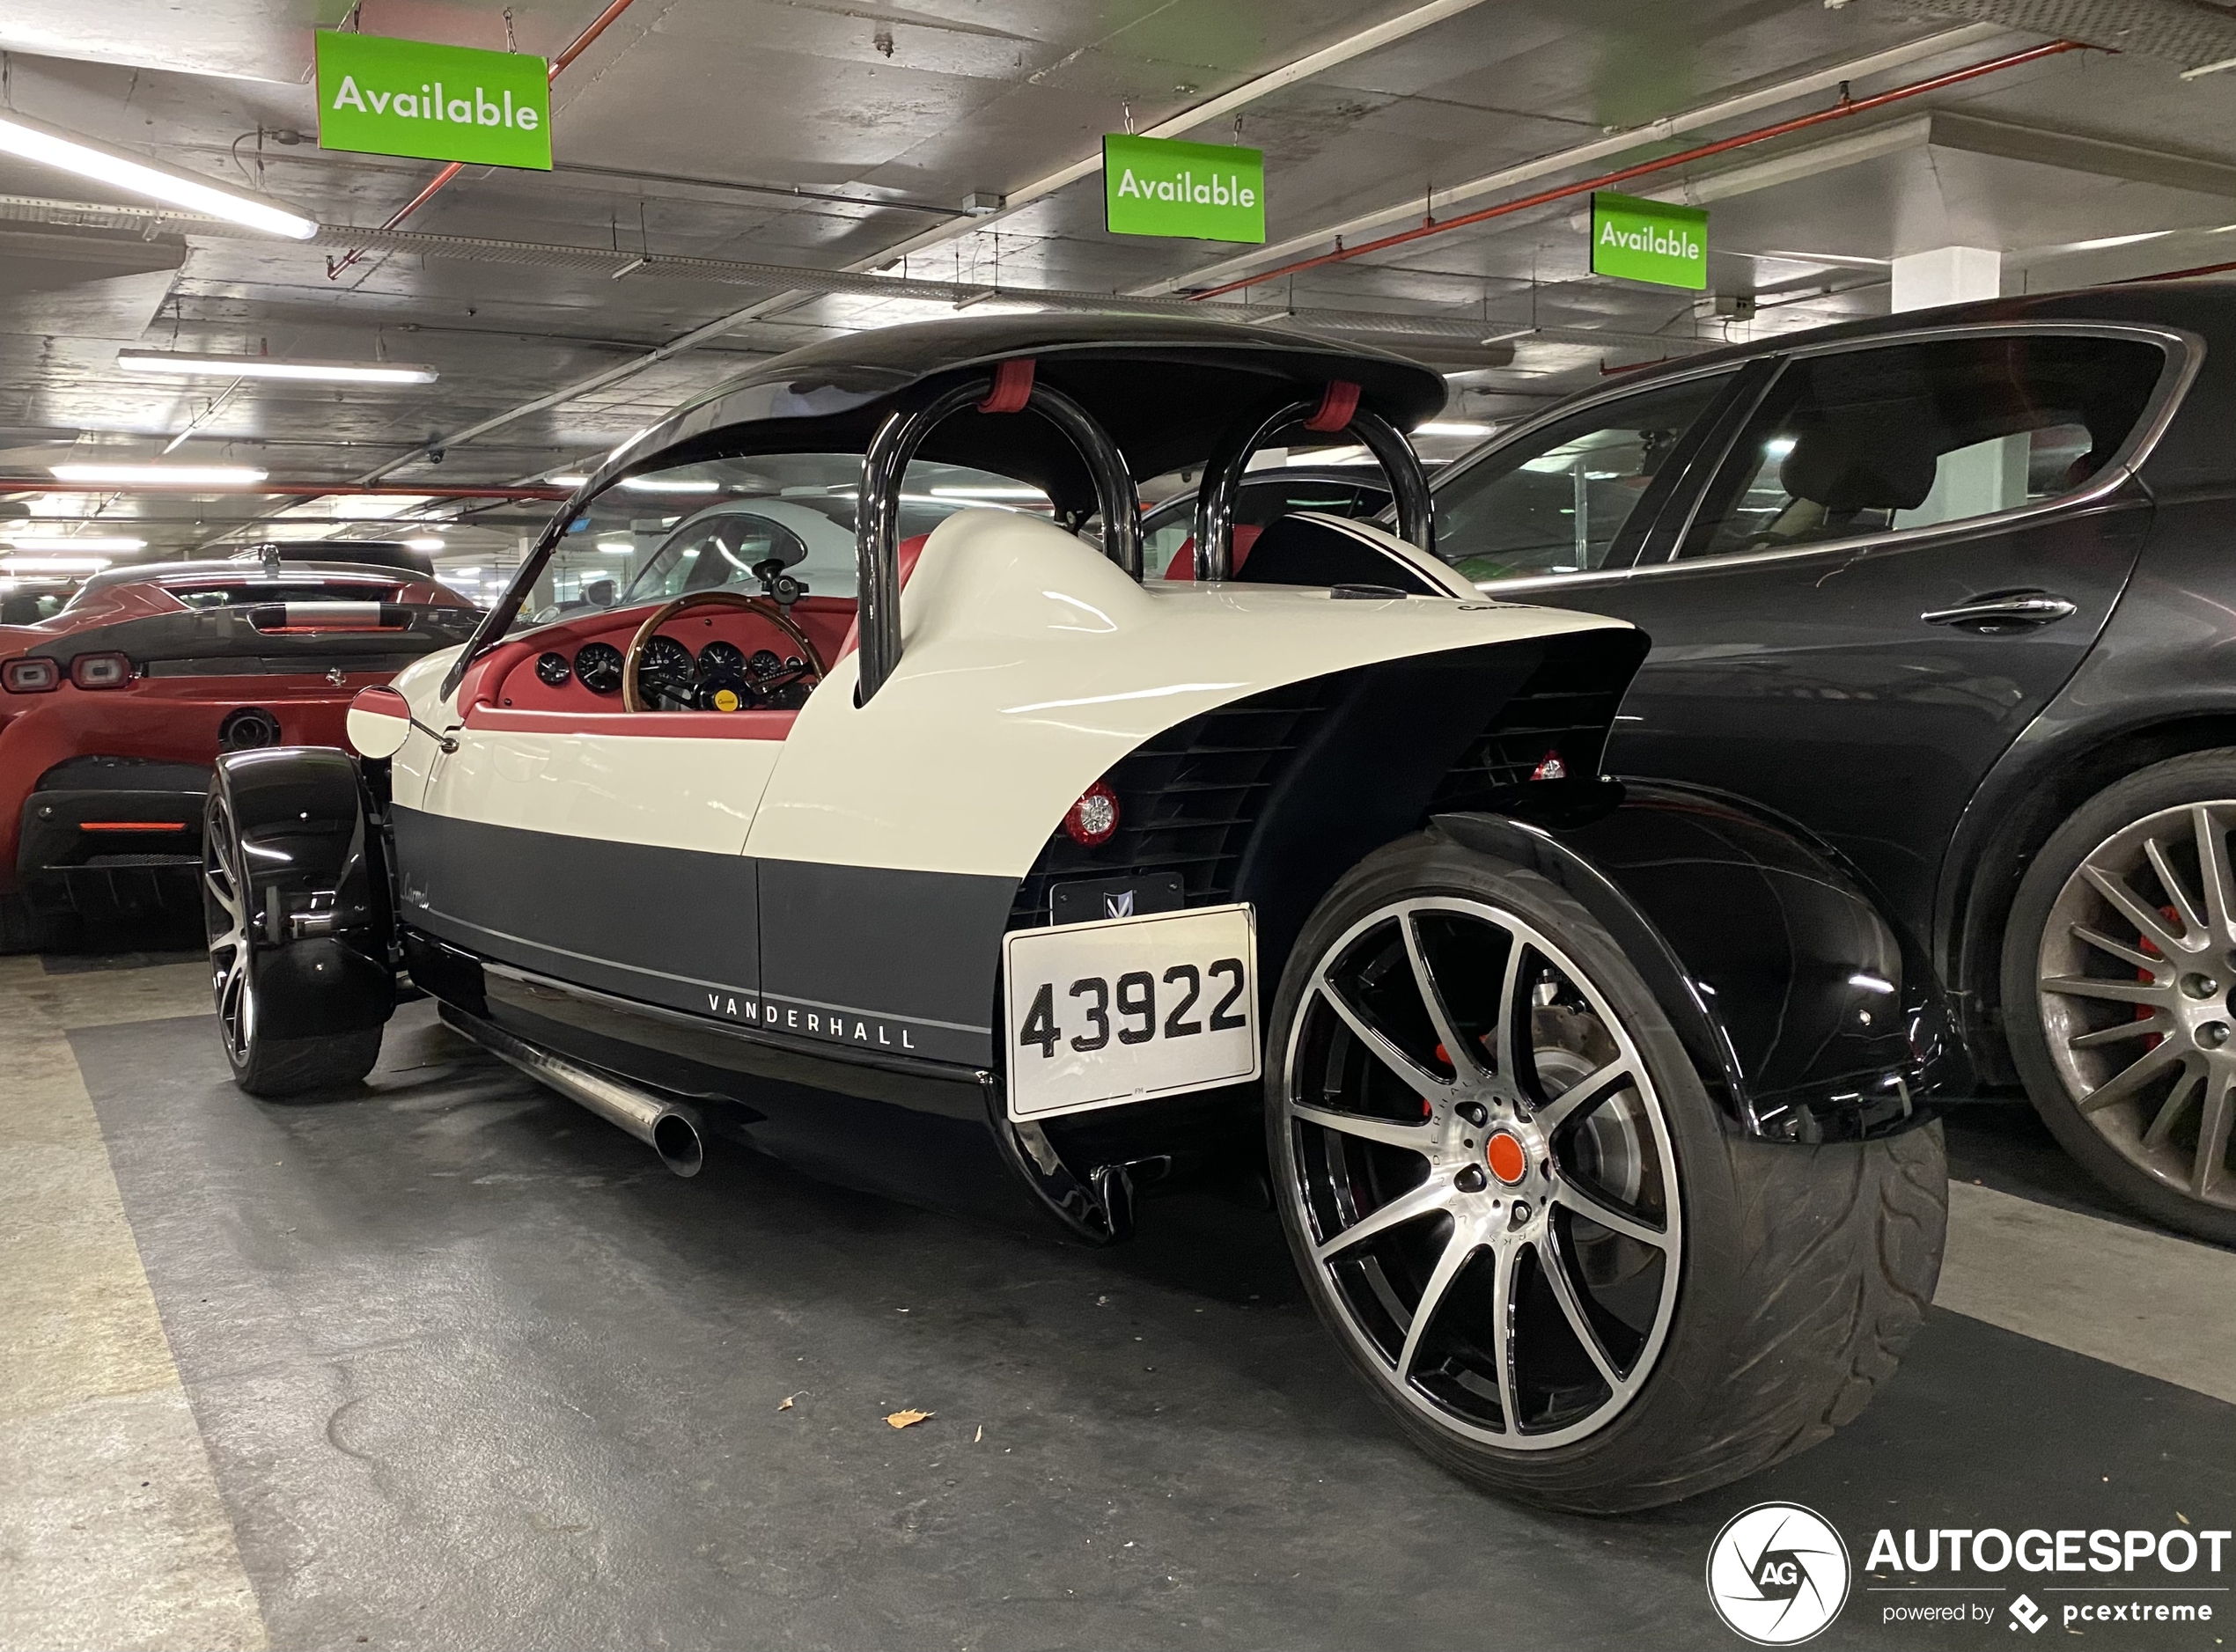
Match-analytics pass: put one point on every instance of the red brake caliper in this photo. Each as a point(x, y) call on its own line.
point(2144, 1012)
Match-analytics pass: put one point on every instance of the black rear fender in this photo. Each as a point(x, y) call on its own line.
point(318, 882)
point(1807, 1014)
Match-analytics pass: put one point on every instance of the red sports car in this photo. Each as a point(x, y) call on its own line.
point(113, 710)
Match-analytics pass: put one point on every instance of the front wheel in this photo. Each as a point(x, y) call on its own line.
point(261, 1064)
point(1512, 1202)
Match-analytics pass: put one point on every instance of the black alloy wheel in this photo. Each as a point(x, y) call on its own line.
point(1515, 1208)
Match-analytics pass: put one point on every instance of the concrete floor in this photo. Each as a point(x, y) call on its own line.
point(451, 1364)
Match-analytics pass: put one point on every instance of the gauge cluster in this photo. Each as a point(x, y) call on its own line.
point(721, 676)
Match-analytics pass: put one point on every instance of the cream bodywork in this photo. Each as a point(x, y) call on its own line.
point(1030, 664)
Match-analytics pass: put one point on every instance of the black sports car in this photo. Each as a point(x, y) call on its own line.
point(1953, 591)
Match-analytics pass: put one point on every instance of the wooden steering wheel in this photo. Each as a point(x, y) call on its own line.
point(765, 607)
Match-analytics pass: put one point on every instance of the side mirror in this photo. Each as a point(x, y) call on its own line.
point(379, 721)
point(600, 593)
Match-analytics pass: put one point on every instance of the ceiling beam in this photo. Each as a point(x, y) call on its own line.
point(1327, 57)
point(1343, 51)
point(1412, 205)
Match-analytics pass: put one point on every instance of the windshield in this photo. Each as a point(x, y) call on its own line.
point(700, 527)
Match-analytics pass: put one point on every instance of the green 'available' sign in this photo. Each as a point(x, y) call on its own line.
point(383, 97)
point(1649, 240)
point(1161, 185)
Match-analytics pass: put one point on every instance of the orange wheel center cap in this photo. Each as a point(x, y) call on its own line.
point(1504, 1156)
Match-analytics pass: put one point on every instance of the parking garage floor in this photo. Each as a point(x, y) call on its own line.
point(448, 1363)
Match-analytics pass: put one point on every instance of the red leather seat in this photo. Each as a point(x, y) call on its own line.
point(1183, 563)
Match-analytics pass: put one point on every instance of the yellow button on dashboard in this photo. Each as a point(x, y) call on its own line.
point(726, 699)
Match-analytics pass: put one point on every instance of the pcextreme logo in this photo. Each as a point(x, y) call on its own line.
point(1777, 1574)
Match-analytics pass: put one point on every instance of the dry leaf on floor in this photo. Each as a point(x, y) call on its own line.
point(907, 1419)
point(787, 1403)
point(981, 1435)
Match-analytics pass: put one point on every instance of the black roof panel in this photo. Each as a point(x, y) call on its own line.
point(1164, 387)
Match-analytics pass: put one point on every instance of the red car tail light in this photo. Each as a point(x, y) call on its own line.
point(1094, 817)
point(100, 671)
point(30, 676)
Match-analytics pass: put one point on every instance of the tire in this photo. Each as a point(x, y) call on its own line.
point(262, 1065)
point(25, 928)
point(2145, 1102)
point(1743, 1298)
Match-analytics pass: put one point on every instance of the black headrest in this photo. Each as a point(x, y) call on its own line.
point(1308, 548)
point(1860, 465)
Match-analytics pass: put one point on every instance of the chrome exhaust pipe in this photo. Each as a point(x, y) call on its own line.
point(669, 1128)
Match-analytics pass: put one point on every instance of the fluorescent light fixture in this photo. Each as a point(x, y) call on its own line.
point(51, 146)
point(987, 492)
point(618, 547)
point(204, 476)
point(370, 507)
point(654, 484)
point(2103, 241)
point(1778, 447)
point(426, 542)
point(56, 564)
point(1451, 426)
point(192, 364)
point(1330, 456)
point(73, 542)
point(461, 573)
point(566, 481)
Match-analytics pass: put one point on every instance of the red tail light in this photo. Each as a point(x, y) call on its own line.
point(100, 671)
point(1094, 817)
point(30, 676)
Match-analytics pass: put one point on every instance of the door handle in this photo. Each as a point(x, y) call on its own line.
point(2004, 611)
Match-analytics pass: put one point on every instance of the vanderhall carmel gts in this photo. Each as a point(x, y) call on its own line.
point(1600, 1119)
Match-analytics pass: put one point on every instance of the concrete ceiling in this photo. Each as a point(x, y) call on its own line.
point(822, 135)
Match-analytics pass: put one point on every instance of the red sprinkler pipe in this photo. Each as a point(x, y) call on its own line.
point(1839, 112)
point(574, 49)
point(281, 489)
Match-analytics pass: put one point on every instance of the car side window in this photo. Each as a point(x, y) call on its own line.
point(1910, 436)
point(1559, 501)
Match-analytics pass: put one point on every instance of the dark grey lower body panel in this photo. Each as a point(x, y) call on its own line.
point(879, 960)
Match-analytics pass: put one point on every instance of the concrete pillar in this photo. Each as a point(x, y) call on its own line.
point(1947, 275)
point(1987, 476)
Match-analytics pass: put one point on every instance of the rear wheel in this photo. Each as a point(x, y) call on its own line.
point(262, 1065)
point(1512, 1202)
point(2119, 990)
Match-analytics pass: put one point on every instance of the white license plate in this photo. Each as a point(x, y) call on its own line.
point(1129, 1009)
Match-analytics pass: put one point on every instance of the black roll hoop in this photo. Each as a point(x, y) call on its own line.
point(876, 530)
point(1337, 409)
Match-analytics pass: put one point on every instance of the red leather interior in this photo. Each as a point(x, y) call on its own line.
point(503, 692)
point(1183, 563)
point(697, 726)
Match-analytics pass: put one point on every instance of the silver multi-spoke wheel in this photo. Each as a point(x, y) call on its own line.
point(2136, 978)
point(1484, 1172)
point(226, 912)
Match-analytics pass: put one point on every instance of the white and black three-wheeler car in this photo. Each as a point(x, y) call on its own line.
point(1599, 1117)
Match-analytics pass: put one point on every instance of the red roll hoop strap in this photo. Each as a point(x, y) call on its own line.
point(1337, 403)
point(1013, 386)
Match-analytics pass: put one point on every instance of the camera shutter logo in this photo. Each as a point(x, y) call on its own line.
point(1777, 1574)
